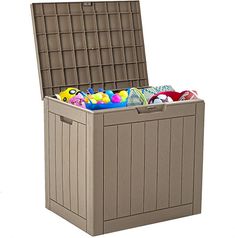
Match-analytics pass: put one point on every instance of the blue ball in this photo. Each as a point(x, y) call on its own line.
point(109, 93)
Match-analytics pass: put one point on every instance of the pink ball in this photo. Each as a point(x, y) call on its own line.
point(116, 98)
point(78, 100)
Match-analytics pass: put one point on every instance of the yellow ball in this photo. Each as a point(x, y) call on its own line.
point(123, 94)
point(69, 93)
point(106, 99)
point(93, 101)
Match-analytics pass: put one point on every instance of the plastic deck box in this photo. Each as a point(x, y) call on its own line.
point(113, 169)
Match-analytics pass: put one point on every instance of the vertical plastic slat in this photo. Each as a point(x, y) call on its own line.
point(52, 159)
point(110, 43)
point(163, 164)
point(60, 44)
point(98, 43)
point(176, 161)
point(74, 166)
point(137, 168)
point(95, 173)
point(86, 48)
point(82, 170)
point(133, 32)
point(188, 160)
point(47, 52)
point(110, 172)
point(73, 42)
point(124, 170)
point(47, 154)
point(144, 54)
point(66, 165)
point(198, 159)
point(151, 132)
point(123, 44)
point(59, 162)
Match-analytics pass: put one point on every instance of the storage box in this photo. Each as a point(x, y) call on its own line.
point(112, 169)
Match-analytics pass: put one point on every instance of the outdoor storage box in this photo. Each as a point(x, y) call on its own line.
point(112, 169)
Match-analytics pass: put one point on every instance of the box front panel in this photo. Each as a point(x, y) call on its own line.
point(148, 167)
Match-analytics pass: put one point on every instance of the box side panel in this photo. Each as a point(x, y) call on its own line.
point(148, 165)
point(95, 216)
point(46, 152)
point(66, 162)
point(198, 163)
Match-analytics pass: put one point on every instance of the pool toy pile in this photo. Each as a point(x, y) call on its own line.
point(104, 99)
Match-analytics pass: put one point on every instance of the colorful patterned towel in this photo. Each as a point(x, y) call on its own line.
point(149, 92)
point(136, 97)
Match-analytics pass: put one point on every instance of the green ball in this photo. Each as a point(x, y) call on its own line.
point(123, 99)
point(98, 97)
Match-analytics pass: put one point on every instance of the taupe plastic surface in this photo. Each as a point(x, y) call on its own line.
point(114, 169)
point(89, 44)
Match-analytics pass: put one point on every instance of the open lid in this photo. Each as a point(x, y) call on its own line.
point(89, 44)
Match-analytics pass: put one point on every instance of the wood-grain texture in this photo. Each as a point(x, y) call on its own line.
point(147, 218)
point(112, 169)
point(46, 154)
point(95, 174)
point(106, 178)
point(67, 164)
point(198, 163)
point(148, 166)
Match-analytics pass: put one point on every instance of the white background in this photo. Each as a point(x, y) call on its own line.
point(189, 44)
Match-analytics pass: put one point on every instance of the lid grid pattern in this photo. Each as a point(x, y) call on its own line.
point(91, 44)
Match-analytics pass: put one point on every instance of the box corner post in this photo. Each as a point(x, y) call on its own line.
point(95, 174)
point(46, 151)
point(198, 160)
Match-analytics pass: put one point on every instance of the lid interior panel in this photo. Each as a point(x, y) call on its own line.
point(89, 44)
